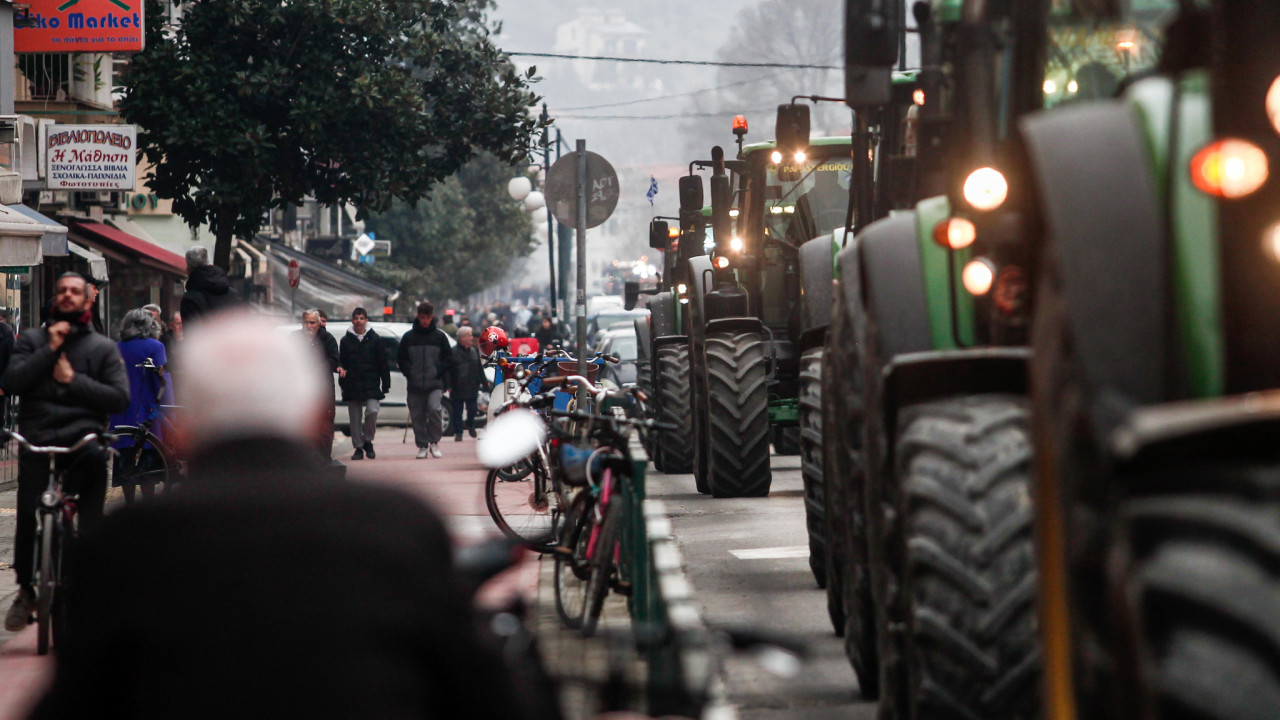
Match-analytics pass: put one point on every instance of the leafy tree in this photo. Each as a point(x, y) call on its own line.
point(247, 104)
point(460, 241)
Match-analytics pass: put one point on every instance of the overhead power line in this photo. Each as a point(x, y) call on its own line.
point(704, 63)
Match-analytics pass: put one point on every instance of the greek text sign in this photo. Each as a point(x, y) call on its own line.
point(90, 157)
point(66, 26)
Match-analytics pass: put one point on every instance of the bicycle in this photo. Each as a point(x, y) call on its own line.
point(135, 465)
point(57, 526)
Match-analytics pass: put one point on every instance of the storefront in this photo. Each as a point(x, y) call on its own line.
point(139, 272)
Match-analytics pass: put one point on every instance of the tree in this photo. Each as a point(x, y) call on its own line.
point(460, 241)
point(244, 105)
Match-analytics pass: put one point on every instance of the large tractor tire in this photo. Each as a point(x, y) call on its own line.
point(786, 440)
point(738, 415)
point(815, 508)
point(701, 433)
point(962, 575)
point(849, 600)
point(674, 407)
point(1204, 578)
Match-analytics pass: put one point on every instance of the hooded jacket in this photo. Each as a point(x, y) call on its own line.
point(425, 357)
point(51, 413)
point(208, 291)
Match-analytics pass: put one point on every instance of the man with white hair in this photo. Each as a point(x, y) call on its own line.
point(265, 588)
point(465, 382)
point(208, 289)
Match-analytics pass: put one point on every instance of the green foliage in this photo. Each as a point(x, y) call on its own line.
point(249, 104)
point(460, 241)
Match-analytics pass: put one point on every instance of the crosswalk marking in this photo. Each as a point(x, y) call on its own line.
point(791, 551)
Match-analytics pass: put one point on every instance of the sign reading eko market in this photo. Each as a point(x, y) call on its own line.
point(90, 157)
point(65, 26)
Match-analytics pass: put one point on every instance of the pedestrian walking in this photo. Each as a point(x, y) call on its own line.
point(265, 590)
point(69, 379)
point(325, 349)
point(139, 342)
point(208, 289)
point(466, 382)
point(450, 327)
point(425, 358)
point(366, 379)
point(546, 334)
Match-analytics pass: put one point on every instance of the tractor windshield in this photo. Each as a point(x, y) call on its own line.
point(807, 199)
point(1092, 52)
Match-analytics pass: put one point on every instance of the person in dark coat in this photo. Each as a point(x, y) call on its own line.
point(264, 589)
point(466, 381)
point(425, 358)
point(326, 351)
point(365, 380)
point(69, 379)
point(208, 289)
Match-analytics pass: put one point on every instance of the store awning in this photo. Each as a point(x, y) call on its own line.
point(97, 263)
point(147, 253)
point(54, 241)
point(19, 239)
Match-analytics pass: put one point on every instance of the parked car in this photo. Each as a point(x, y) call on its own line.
point(619, 341)
point(607, 319)
point(395, 408)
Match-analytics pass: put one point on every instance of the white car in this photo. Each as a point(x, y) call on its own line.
point(394, 408)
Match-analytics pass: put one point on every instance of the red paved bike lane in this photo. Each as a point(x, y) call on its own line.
point(453, 485)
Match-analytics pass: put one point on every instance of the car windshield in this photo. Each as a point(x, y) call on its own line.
point(624, 348)
point(604, 321)
point(1092, 54)
point(807, 199)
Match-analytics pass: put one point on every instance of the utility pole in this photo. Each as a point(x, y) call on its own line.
point(581, 307)
point(551, 227)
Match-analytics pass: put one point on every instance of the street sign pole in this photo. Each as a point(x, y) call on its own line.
point(551, 228)
point(582, 269)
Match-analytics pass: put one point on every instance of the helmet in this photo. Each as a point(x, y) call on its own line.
point(491, 339)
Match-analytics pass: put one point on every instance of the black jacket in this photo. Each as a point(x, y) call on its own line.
point(467, 377)
point(368, 372)
point(326, 349)
point(51, 413)
point(208, 291)
point(263, 590)
point(425, 357)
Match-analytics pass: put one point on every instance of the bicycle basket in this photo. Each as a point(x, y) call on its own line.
point(570, 367)
point(573, 461)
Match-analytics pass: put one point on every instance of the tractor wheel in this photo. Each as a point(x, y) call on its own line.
point(786, 440)
point(849, 600)
point(738, 415)
point(1204, 582)
point(815, 509)
point(963, 580)
point(701, 435)
point(675, 407)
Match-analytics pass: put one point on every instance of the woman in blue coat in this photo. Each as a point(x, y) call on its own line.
point(140, 341)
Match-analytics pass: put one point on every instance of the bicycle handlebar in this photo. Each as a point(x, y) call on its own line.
point(649, 424)
point(104, 437)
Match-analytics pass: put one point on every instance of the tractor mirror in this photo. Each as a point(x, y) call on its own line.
point(659, 234)
point(691, 193)
point(872, 32)
point(792, 128)
point(631, 293)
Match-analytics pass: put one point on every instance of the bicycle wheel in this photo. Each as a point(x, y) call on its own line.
point(46, 583)
point(571, 571)
point(601, 566)
point(525, 510)
point(148, 461)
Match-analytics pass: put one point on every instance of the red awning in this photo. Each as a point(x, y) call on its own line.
point(148, 253)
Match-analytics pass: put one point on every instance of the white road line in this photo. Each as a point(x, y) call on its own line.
point(793, 551)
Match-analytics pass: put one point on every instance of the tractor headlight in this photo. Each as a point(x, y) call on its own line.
point(1273, 104)
point(955, 233)
point(776, 157)
point(721, 262)
point(978, 276)
point(735, 244)
point(986, 189)
point(682, 288)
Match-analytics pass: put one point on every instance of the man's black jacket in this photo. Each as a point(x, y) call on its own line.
point(467, 377)
point(368, 372)
point(263, 590)
point(208, 291)
point(425, 357)
point(51, 413)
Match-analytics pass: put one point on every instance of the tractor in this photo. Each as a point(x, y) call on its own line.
point(1156, 365)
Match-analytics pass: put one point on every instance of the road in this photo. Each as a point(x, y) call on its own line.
point(748, 560)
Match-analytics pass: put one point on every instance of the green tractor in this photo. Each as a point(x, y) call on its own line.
point(924, 425)
point(744, 309)
point(1156, 368)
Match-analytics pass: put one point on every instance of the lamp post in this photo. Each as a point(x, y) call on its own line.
point(521, 190)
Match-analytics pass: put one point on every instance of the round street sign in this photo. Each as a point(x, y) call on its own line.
point(295, 273)
point(562, 189)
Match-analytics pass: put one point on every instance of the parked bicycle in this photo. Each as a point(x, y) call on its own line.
point(57, 526)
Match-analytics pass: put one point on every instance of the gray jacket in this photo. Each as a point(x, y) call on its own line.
point(55, 414)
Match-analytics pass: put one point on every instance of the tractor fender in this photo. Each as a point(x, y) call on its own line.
point(662, 317)
point(644, 341)
point(888, 284)
point(698, 278)
point(917, 377)
point(1234, 426)
point(817, 272)
point(736, 324)
point(1106, 240)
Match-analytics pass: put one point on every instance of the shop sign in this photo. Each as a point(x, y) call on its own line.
point(90, 157)
point(67, 26)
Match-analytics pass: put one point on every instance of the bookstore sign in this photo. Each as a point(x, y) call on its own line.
point(90, 157)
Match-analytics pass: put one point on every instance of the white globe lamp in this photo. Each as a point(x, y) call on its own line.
point(519, 188)
point(535, 201)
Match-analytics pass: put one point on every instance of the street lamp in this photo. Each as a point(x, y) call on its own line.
point(535, 203)
point(519, 188)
